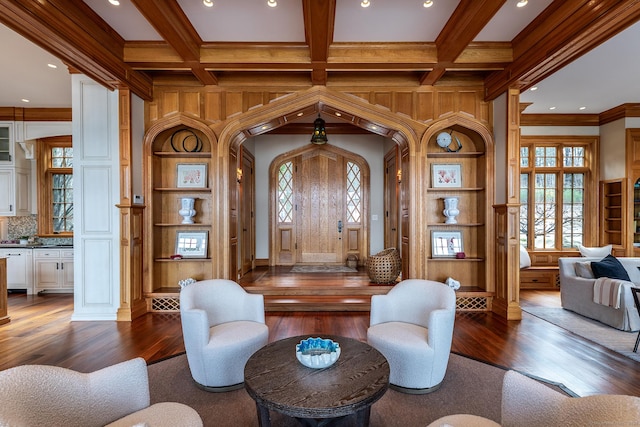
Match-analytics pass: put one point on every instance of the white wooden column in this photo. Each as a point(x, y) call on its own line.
point(95, 195)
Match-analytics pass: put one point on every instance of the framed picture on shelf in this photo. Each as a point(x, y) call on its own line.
point(192, 244)
point(191, 175)
point(446, 244)
point(446, 175)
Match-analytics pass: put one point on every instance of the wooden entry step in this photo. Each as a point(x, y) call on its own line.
point(317, 297)
point(320, 298)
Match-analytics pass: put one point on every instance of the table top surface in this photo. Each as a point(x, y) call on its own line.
point(275, 379)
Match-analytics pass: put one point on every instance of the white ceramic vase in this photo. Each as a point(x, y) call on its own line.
point(451, 210)
point(187, 212)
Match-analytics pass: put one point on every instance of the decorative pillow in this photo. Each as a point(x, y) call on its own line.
point(595, 252)
point(583, 269)
point(525, 259)
point(609, 267)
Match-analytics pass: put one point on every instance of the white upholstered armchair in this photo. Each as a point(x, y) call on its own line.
point(222, 326)
point(116, 396)
point(412, 326)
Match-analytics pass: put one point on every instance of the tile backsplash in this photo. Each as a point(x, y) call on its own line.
point(18, 226)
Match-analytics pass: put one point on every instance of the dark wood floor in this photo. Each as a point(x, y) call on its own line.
point(41, 332)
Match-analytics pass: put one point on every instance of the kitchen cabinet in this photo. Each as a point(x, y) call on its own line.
point(14, 191)
point(19, 268)
point(15, 175)
point(53, 270)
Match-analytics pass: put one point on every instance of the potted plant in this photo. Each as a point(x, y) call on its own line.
point(23, 240)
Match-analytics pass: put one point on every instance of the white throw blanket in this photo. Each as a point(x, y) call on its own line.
point(607, 291)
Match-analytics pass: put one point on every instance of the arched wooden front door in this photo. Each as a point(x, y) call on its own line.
point(319, 205)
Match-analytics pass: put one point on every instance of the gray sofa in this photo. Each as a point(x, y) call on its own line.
point(576, 294)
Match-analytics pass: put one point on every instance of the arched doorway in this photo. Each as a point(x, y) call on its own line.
point(319, 199)
point(400, 130)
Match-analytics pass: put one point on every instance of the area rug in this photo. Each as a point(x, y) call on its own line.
point(611, 338)
point(322, 269)
point(469, 387)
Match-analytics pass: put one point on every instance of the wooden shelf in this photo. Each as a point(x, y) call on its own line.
point(468, 259)
point(449, 190)
point(183, 190)
point(467, 154)
point(181, 154)
point(183, 260)
point(442, 224)
point(179, 224)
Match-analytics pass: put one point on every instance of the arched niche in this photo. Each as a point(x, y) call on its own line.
point(177, 139)
point(401, 129)
point(475, 194)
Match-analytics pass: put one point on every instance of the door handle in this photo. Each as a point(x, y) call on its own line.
point(340, 226)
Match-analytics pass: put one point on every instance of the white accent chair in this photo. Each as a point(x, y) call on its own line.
point(529, 403)
point(222, 326)
point(116, 396)
point(412, 326)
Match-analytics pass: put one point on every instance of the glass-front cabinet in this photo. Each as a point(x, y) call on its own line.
point(6, 146)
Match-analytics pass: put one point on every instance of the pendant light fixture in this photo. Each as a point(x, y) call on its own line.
point(319, 135)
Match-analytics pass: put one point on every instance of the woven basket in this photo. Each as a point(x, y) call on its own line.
point(385, 266)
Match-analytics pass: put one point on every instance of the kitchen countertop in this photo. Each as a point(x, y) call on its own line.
point(19, 246)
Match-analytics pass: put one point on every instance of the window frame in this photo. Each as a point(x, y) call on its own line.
point(45, 184)
point(591, 179)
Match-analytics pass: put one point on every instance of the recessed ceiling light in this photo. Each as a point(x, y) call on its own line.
point(272, 3)
point(24, 100)
point(534, 88)
point(300, 114)
point(583, 108)
point(115, 2)
point(207, 3)
point(52, 66)
point(338, 114)
point(427, 3)
point(365, 3)
point(552, 108)
point(522, 3)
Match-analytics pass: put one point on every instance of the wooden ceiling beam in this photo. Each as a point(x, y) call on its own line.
point(75, 34)
point(552, 40)
point(466, 22)
point(319, 18)
point(169, 20)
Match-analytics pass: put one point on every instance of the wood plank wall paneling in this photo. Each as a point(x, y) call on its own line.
point(213, 106)
point(215, 103)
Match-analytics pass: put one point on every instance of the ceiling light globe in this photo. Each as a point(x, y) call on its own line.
point(207, 3)
point(365, 3)
point(272, 3)
point(427, 3)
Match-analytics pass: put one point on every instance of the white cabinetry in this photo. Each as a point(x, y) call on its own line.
point(53, 270)
point(15, 175)
point(19, 268)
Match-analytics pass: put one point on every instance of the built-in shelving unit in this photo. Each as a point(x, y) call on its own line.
point(166, 200)
point(470, 271)
point(613, 202)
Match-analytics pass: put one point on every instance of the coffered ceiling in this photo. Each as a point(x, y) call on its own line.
point(579, 53)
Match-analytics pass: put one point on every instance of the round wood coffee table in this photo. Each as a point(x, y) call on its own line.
point(276, 380)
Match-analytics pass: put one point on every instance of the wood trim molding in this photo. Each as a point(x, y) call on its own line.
point(559, 120)
point(35, 114)
point(620, 112)
point(563, 32)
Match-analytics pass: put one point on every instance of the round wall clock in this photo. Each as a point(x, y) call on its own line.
point(444, 140)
